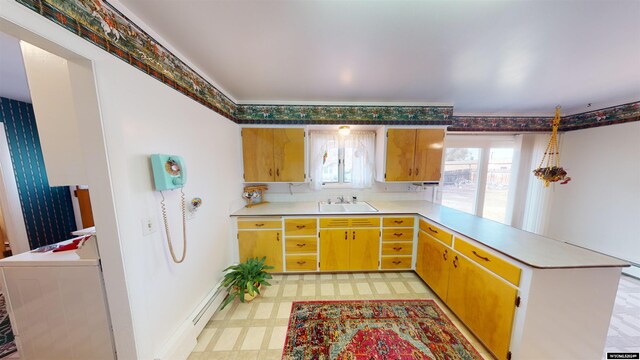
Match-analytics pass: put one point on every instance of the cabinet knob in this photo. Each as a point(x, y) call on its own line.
point(301, 226)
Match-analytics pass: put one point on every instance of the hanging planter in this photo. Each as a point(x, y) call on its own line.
point(552, 172)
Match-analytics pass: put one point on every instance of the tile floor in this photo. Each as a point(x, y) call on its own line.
point(257, 330)
point(624, 329)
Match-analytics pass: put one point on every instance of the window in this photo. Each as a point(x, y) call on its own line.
point(477, 175)
point(342, 160)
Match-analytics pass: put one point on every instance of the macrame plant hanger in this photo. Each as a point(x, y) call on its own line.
point(552, 172)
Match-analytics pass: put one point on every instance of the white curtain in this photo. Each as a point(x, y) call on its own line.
point(538, 201)
point(318, 141)
point(363, 143)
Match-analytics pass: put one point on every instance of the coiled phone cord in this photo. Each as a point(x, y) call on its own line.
point(184, 228)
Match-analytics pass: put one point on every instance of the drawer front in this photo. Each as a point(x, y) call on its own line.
point(437, 232)
point(259, 223)
point(397, 234)
point(397, 248)
point(340, 222)
point(396, 262)
point(397, 222)
point(306, 226)
point(301, 245)
point(302, 262)
point(343, 222)
point(500, 267)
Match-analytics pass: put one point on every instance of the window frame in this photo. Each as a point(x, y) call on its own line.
point(485, 143)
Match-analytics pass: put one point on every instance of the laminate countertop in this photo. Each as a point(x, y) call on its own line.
point(528, 248)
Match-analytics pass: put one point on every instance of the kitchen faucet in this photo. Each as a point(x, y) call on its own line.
point(341, 200)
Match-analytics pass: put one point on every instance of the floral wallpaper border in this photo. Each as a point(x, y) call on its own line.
point(100, 23)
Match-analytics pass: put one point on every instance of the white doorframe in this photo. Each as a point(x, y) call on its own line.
point(10, 201)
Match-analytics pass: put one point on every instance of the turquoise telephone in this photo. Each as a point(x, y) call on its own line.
point(169, 172)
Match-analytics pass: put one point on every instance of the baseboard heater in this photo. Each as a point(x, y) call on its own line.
point(184, 339)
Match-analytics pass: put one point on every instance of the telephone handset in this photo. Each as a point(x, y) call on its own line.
point(169, 172)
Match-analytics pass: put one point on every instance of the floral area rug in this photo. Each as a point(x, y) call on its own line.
point(386, 329)
point(7, 345)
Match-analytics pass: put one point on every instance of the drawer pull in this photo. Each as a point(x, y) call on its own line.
point(397, 248)
point(455, 262)
point(277, 236)
point(481, 257)
point(259, 225)
point(278, 172)
point(417, 171)
point(301, 262)
point(354, 235)
point(434, 231)
point(301, 226)
point(301, 245)
point(398, 221)
point(398, 234)
point(270, 172)
point(397, 262)
point(345, 235)
point(409, 171)
point(445, 253)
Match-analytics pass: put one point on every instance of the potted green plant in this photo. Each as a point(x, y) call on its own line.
point(245, 279)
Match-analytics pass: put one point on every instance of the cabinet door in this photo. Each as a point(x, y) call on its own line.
point(261, 243)
point(484, 302)
point(400, 154)
point(365, 249)
point(257, 154)
point(334, 249)
point(288, 155)
point(435, 269)
point(428, 155)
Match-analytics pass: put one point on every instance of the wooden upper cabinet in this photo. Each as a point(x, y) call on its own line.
point(257, 154)
point(272, 155)
point(401, 145)
point(428, 155)
point(288, 155)
point(414, 154)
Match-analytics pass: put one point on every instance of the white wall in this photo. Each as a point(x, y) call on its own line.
point(149, 296)
point(600, 208)
point(142, 117)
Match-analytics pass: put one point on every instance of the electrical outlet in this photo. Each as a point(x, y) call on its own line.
point(148, 226)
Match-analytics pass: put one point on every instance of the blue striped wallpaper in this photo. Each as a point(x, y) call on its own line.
point(48, 211)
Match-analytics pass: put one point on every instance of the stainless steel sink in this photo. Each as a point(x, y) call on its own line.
point(360, 206)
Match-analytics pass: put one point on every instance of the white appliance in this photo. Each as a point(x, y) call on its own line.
point(57, 304)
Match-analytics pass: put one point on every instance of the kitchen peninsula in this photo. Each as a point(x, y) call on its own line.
point(523, 295)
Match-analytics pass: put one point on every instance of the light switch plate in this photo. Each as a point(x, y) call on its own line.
point(148, 226)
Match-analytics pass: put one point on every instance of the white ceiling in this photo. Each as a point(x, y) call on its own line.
point(484, 57)
point(13, 79)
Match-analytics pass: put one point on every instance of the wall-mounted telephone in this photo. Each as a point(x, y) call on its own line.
point(169, 172)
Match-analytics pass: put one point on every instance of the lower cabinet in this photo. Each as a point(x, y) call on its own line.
point(482, 300)
point(485, 303)
point(259, 243)
point(345, 249)
point(432, 264)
